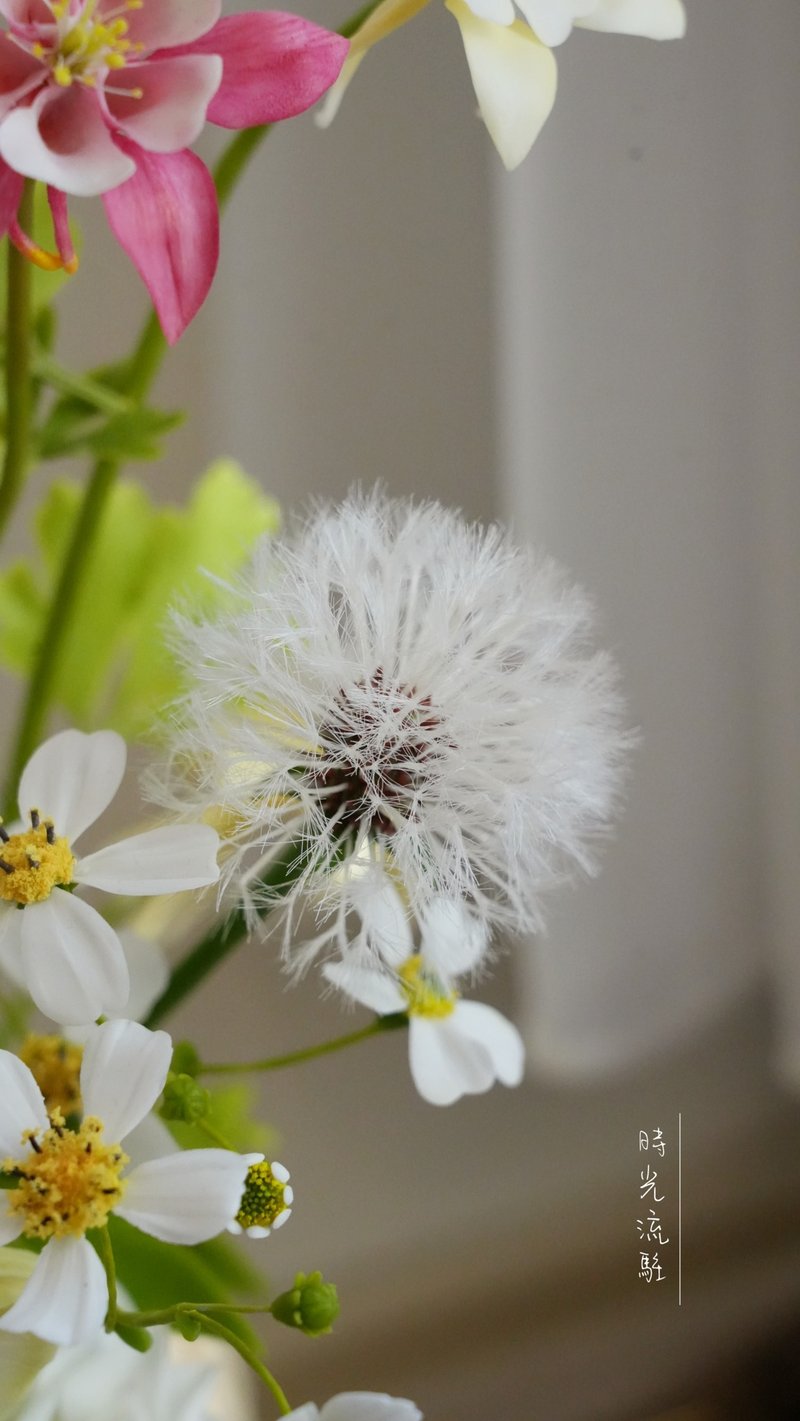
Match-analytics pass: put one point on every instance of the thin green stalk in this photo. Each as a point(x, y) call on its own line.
point(18, 369)
point(209, 1324)
point(295, 1058)
point(107, 1259)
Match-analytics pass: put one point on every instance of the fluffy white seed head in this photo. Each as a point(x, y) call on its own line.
point(402, 693)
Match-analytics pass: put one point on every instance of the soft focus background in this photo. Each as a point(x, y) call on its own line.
point(599, 349)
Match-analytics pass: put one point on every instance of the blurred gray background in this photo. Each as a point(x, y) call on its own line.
point(601, 349)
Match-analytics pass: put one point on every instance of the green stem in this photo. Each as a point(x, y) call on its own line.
point(47, 369)
point(18, 371)
point(107, 1259)
point(209, 1324)
point(213, 1134)
point(295, 1058)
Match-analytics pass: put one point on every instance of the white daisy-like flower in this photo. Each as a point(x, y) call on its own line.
point(70, 1180)
point(508, 50)
point(358, 1406)
point(266, 1199)
point(61, 948)
point(455, 1047)
point(405, 695)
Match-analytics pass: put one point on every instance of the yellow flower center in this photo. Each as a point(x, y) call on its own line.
point(55, 1065)
point(85, 47)
point(69, 1182)
point(423, 991)
point(262, 1200)
point(33, 863)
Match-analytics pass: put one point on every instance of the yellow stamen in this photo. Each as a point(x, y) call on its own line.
point(69, 1182)
point(33, 863)
point(262, 1200)
point(55, 1065)
point(423, 991)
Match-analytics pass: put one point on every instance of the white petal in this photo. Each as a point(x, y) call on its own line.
point(66, 1299)
point(514, 77)
point(369, 1406)
point(453, 939)
point(372, 989)
point(164, 860)
point(74, 964)
point(498, 1036)
point(655, 19)
point(123, 1074)
point(186, 1198)
point(11, 1225)
point(552, 20)
point(444, 1064)
point(72, 778)
point(150, 1139)
point(309, 1412)
point(148, 970)
point(11, 944)
point(385, 920)
point(500, 12)
point(21, 1105)
point(256, 1231)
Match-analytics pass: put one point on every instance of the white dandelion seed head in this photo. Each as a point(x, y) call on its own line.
point(412, 698)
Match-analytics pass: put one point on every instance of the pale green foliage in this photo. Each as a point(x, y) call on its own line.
point(116, 670)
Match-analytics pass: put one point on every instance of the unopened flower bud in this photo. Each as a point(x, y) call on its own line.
point(184, 1099)
point(312, 1305)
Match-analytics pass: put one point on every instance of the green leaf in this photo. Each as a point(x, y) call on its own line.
point(116, 670)
point(159, 1274)
point(74, 425)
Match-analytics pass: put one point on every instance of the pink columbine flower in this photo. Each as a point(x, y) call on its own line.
point(104, 97)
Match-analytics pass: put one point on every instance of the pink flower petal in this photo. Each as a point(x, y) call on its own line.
point(166, 219)
point(163, 23)
point(275, 66)
point(10, 195)
point(26, 12)
point(19, 73)
point(174, 95)
point(62, 139)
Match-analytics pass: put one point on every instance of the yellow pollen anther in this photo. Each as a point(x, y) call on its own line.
point(68, 1182)
point(55, 1065)
point(62, 75)
point(33, 863)
point(262, 1200)
point(423, 991)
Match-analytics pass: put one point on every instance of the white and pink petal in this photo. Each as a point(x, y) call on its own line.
point(168, 110)
point(66, 1298)
point(185, 1198)
point(123, 1074)
point(73, 961)
point(164, 860)
point(62, 139)
point(72, 778)
point(161, 24)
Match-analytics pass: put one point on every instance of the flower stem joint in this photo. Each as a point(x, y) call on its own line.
point(312, 1305)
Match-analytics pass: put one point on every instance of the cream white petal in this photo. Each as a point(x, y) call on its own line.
point(514, 77)
point(500, 12)
point(385, 920)
point(185, 1198)
point(453, 940)
point(497, 1035)
point(11, 944)
point(164, 860)
point(72, 778)
point(150, 1139)
point(654, 19)
point(369, 1406)
point(123, 1074)
point(309, 1412)
point(66, 1299)
point(372, 989)
point(445, 1064)
point(74, 965)
point(553, 19)
point(21, 1105)
point(148, 970)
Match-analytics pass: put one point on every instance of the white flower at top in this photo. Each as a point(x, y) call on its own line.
point(511, 64)
point(455, 1047)
point(408, 697)
point(358, 1406)
point(60, 947)
point(69, 1181)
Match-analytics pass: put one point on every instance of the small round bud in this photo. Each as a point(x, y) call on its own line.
point(184, 1099)
point(312, 1305)
point(189, 1326)
point(136, 1337)
point(185, 1059)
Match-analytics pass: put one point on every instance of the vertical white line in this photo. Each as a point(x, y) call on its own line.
point(680, 1217)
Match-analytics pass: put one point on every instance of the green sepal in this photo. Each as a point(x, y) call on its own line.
point(312, 1305)
point(158, 1275)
